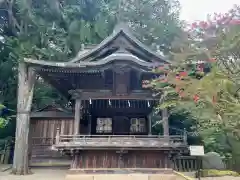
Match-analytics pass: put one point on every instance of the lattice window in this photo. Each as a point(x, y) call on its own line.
point(138, 125)
point(104, 125)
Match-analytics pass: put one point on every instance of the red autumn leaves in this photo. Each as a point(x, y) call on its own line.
point(165, 80)
point(216, 20)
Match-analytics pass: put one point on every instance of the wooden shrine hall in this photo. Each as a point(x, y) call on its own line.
point(109, 125)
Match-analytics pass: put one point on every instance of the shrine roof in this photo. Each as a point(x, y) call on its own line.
point(85, 66)
point(120, 31)
point(50, 111)
point(121, 45)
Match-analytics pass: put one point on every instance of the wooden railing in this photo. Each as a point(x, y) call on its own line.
point(115, 141)
point(35, 141)
point(185, 163)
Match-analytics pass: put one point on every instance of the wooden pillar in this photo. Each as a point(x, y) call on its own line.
point(165, 122)
point(89, 125)
point(78, 114)
point(26, 79)
point(149, 125)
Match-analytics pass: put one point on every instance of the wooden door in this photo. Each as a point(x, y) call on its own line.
point(121, 125)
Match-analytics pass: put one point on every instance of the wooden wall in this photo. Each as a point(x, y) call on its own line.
point(131, 159)
point(42, 137)
point(43, 131)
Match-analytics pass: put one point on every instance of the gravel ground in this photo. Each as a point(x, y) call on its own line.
point(221, 178)
point(39, 174)
point(191, 174)
point(59, 174)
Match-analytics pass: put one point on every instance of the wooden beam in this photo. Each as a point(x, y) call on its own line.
point(149, 125)
point(108, 94)
point(78, 109)
point(26, 80)
point(89, 124)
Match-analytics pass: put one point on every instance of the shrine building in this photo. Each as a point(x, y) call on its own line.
point(109, 123)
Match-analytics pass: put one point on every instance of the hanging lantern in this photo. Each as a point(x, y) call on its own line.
point(109, 102)
point(90, 101)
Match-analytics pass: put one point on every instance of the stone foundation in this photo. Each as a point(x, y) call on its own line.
point(121, 174)
point(121, 177)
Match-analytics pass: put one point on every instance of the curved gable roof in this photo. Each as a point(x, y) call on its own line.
point(120, 30)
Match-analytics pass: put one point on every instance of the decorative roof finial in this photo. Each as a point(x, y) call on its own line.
point(121, 26)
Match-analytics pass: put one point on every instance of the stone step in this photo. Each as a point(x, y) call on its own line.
point(121, 177)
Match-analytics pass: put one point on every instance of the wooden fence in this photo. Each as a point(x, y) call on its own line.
point(189, 164)
point(185, 163)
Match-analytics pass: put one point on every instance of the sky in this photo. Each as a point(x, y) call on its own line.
point(199, 9)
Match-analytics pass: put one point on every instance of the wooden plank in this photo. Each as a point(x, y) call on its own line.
point(149, 125)
point(108, 94)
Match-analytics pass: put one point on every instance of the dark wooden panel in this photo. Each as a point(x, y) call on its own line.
point(121, 125)
point(131, 159)
point(121, 84)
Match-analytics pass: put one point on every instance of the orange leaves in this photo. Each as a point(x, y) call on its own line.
point(235, 22)
point(212, 60)
point(196, 98)
point(214, 99)
point(183, 74)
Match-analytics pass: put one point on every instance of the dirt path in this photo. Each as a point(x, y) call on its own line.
point(39, 174)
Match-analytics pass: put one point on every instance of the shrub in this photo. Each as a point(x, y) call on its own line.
point(216, 173)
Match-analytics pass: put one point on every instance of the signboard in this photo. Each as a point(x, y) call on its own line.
point(196, 150)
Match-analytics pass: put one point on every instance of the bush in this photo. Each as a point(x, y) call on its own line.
point(216, 173)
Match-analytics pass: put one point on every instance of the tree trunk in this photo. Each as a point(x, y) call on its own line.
point(26, 78)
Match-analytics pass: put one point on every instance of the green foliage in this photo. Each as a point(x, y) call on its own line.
point(3, 118)
point(216, 173)
point(208, 58)
point(54, 30)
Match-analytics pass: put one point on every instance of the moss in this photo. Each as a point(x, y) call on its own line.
point(216, 173)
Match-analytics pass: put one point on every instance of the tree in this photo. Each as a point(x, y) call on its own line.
point(205, 71)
